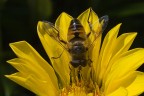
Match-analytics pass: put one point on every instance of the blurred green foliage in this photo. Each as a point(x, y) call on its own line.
point(18, 21)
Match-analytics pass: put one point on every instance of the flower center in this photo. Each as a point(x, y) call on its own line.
point(81, 87)
point(74, 90)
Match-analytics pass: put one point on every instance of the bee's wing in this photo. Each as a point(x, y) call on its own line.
point(54, 33)
point(97, 29)
point(94, 37)
point(104, 22)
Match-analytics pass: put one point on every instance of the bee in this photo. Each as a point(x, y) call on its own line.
point(78, 44)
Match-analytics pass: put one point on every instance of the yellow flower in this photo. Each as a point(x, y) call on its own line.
point(112, 72)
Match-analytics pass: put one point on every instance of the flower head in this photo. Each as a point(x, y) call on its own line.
point(111, 68)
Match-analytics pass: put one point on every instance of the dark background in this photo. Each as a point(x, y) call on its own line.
point(18, 21)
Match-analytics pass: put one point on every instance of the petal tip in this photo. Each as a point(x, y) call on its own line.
point(119, 24)
point(39, 22)
point(17, 43)
point(8, 76)
point(134, 34)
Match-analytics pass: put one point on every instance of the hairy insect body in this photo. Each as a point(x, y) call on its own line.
point(77, 44)
point(78, 52)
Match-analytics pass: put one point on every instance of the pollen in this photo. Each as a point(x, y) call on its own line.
point(76, 90)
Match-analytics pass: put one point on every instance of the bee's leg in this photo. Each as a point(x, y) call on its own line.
point(79, 75)
point(63, 41)
point(88, 34)
point(58, 56)
point(89, 62)
point(79, 72)
point(75, 76)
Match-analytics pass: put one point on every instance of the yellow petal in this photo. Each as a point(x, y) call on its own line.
point(128, 62)
point(48, 36)
point(42, 88)
point(20, 64)
point(119, 92)
point(19, 78)
point(27, 67)
point(63, 23)
point(131, 59)
point(122, 44)
point(93, 55)
point(54, 50)
point(89, 16)
point(137, 87)
point(106, 52)
point(120, 82)
point(62, 70)
point(31, 60)
point(94, 50)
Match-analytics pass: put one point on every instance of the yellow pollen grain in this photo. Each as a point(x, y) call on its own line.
point(78, 91)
